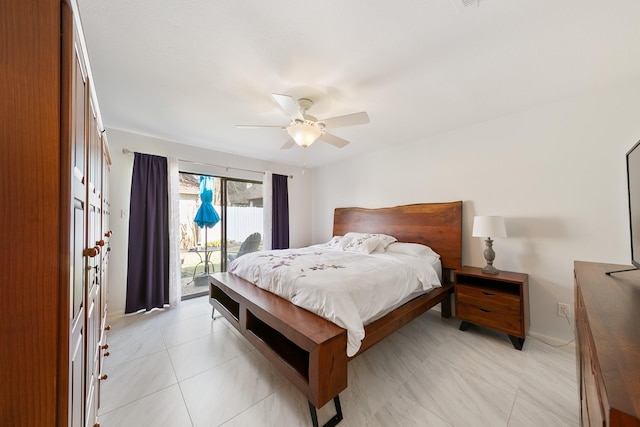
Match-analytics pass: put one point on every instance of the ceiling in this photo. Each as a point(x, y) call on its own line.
point(190, 70)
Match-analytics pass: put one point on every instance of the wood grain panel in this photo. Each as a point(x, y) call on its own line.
point(29, 210)
point(510, 324)
point(489, 299)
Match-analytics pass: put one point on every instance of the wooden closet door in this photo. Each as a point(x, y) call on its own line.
point(75, 99)
point(106, 228)
point(82, 155)
point(104, 270)
point(94, 265)
point(31, 267)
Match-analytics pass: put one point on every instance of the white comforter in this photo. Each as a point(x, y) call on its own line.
point(349, 289)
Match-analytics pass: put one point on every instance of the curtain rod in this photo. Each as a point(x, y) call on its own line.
point(127, 151)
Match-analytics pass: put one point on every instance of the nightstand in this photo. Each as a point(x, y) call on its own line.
point(499, 301)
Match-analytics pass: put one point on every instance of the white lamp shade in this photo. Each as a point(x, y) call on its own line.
point(304, 133)
point(489, 226)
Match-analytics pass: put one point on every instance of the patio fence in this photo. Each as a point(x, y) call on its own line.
point(241, 222)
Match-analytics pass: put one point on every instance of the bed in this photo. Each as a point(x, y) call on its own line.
point(311, 351)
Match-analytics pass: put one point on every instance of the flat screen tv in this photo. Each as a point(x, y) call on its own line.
point(633, 184)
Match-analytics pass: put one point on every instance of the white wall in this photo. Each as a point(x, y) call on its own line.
point(557, 173)
point(299, 194)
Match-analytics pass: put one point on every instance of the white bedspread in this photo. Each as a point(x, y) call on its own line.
point(349, 289)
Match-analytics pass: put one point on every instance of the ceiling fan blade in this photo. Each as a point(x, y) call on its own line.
point(259, 126)
point(348, 120)
point(288, 144)
point(288, 105)
point(333, 140)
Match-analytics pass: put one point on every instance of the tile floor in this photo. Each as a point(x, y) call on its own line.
point(179, 368)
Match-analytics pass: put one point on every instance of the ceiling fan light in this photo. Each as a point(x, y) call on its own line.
point(305, 133)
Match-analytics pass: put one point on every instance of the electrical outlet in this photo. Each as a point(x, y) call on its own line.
point(563, 309)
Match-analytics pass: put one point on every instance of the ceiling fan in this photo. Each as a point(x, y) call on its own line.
point(305, 129)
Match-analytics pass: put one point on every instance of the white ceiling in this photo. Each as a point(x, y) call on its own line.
point(190, 70)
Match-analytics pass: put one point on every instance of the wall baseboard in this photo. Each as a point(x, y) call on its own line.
point(115, 315)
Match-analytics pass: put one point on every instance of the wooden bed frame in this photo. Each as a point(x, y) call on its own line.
point(311, 351)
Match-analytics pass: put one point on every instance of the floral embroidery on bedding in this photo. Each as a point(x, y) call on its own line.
point(325, 267)
point(272, 255)
point(285, 261)
point(282, 263)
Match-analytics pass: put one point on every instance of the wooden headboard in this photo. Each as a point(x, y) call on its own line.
point(437, 225)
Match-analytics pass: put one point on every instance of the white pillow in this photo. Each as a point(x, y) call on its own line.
point(367, 242)
point(334, 242)
point(338, 242)
point(414, 249)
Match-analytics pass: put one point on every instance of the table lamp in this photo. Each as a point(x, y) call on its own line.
point(489, 226)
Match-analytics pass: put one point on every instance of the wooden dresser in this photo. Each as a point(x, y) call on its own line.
point(54, 174)
point(607, 312)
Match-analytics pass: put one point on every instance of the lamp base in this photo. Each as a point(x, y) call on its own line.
point(490, 269)
point(489, 256)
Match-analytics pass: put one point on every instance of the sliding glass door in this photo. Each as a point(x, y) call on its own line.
point(243, 219)
point(220, 219)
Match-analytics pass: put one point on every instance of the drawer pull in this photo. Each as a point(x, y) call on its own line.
point(103, 377)
point(487, 293)
point(104, 347)
point(107, 328)
point(107, 354)
point(91, 252)
point(486, 311)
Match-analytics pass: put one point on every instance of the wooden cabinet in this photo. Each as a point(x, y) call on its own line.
point(607, 312)
point(498, 301)
point(88, 166)
point(54, 162)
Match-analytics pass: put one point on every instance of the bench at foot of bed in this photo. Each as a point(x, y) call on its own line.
point(307, 349)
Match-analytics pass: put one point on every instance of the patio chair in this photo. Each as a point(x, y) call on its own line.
point(250, 244)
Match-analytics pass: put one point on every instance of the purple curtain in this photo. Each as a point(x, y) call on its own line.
point(148, 267)
point(280, 213)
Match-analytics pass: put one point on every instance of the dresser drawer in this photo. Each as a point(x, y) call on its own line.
point(489, 299)
point(499, 320)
